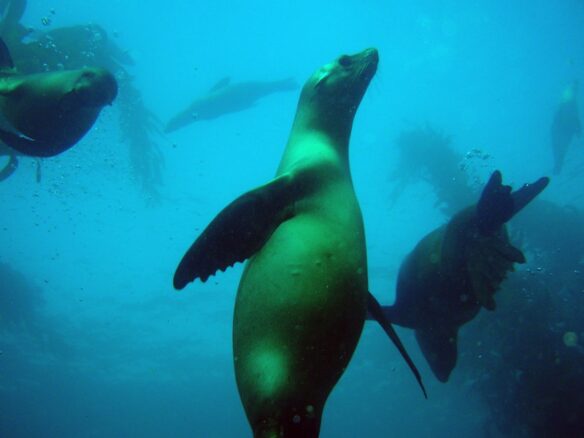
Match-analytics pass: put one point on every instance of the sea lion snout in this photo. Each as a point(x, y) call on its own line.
point(96, 87)
point(362, 64)
point(336, 89)
point(369, 59)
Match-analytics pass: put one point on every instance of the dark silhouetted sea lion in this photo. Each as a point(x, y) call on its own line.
point(456, 269)
point(226, 98)
point(50, 112)
point(303, 296)
point(565, 125)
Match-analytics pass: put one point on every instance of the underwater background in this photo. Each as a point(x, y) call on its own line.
point(95, 342)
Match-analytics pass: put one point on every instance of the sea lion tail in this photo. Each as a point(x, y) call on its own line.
point(377, 312)
point(498, 204)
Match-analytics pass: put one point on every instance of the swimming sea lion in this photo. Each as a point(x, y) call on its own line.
point(565, 125)
point(224, 98)
point(456, 269)
point(50, 112)
point(302, 298)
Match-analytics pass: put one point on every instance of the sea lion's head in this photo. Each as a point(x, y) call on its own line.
point(95, 87)
point(335, 90)
point(91, 88)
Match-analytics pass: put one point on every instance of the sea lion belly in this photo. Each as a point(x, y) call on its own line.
point(299, 313)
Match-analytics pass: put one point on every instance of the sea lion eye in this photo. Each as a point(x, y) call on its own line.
point(345, 61)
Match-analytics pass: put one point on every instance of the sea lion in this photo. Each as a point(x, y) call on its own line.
point(302, 299)
point(50, 112)
point(224, 98)
point(456, 269)
point(565, 125)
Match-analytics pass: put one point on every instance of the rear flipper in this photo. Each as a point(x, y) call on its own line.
point(376, 312)
point(490, 256)
point(439, 346)
point(241, 228)
point(527, 193)
point(10, 168)
point(497, 204)
point(495, 207)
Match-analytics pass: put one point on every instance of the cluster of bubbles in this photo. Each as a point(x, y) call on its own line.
point(477, 163)
point(47, 20)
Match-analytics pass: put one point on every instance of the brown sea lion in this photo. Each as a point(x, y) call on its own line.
point(47, 113)
point(456, 269)
point(303, 296)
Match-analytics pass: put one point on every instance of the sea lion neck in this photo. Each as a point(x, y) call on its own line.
point(314, 130)
point(311, 141)
point(327, 106)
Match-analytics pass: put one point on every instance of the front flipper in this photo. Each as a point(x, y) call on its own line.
point(240, 229)
point(439, 346)
point(10, 168)
point(376, 312)
point(27, 146)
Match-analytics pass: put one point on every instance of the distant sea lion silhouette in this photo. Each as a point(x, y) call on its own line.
point(303, 296)
point(225, 97)
point(456, 269)
point(49, 112)
point(565, 125)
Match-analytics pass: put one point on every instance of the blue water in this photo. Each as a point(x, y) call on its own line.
point(104, 347)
